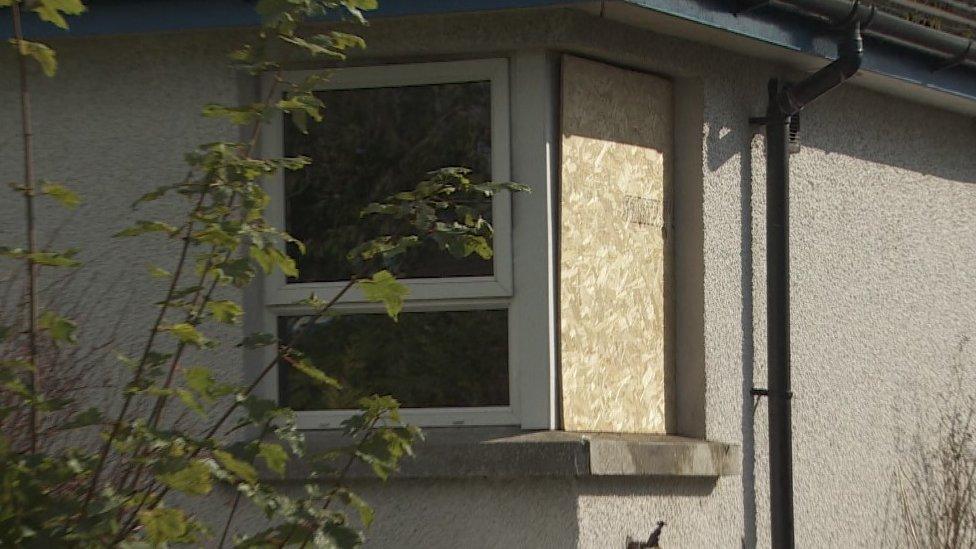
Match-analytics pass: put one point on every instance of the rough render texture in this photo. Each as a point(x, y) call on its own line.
point(114, 124)
point(883, 236)
point(616, 145)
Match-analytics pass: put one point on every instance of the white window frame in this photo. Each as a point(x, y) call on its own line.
point(495, 71)
point(426, 294)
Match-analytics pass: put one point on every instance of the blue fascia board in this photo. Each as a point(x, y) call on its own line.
point(114, 17)
point(771, 26)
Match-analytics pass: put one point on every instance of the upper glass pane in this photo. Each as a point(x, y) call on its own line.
point(425, 359)
point(373, 143)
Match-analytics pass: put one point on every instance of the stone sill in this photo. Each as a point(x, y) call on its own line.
point(510, 453)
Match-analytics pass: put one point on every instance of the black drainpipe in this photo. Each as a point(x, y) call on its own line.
point(784, 103)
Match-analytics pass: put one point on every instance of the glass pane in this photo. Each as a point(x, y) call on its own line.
point(373, 143)
point(429, 359)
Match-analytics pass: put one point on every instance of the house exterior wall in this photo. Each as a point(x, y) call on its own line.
point(883, 197)
point(114, 124)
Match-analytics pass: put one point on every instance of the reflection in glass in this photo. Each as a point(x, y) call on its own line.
point(373, 143)
point(425, 359)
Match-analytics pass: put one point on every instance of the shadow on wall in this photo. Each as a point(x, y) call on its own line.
point(675, 501)
point(749, 402)
point(885, 130)
point(723, 144)
point(670, 487)
point(931, 501)
point(876, 128)
point(533, 512)
point(855, 123)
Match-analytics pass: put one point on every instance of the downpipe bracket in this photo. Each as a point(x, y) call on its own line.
point(955, 60)
point(759, 393)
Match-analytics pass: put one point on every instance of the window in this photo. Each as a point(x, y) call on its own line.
point(384, 128)
point(416, 358)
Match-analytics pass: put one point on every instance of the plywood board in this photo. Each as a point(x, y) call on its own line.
point(617, 131)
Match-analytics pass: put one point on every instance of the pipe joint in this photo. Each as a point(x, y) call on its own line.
point(861, 14)
point(850, 53)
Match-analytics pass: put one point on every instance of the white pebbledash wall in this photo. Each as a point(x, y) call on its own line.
point(884, 250)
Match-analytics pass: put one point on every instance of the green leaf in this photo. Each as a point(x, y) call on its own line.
point(143, 227)
point(236, 271)
point(366, 513)
point(41, 53)
point(236, 115)
point(15, 364)
point(50, 404)
point(343, 40)
point(274, 456)
point(269, 257)
point(355, 7)
point(183, 292)
point(301, 103)
point(137, 545)
point(194, 479)
point(187, 398)
point(385, 246)
point(186, 333)
point(52, 259)
point(468, 244)
point(51, 10)
point(241, 469)
point(315, 46)
point(65, 196)
point(300, 120)
point(257, 340)
point(306, 102)
point(262, 258)
point(312, 301)
point(15, 253)
point(17, 387)
point(59, 328)
point(292, 240)
point(361, 4)
point(225, 311)
point(384, 288)
point(293, 163)
point(91, 416)
point(259, 410)
point(338, 535)
point(154, 194)
point(199, 379)
point(305, 367)
point(216, 235)
point(165, 525)
point(158, 272)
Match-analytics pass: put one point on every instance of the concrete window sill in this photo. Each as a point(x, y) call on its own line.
point(508, 453)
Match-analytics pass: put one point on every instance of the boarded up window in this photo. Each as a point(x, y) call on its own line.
point(617, 132)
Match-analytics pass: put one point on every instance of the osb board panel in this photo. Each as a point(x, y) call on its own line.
point(616, 148)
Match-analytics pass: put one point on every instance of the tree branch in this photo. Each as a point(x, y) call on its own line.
point(35, 378)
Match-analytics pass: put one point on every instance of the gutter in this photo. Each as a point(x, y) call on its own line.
point(955, 50)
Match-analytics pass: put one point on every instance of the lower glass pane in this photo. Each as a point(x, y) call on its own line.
point(424, 360)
